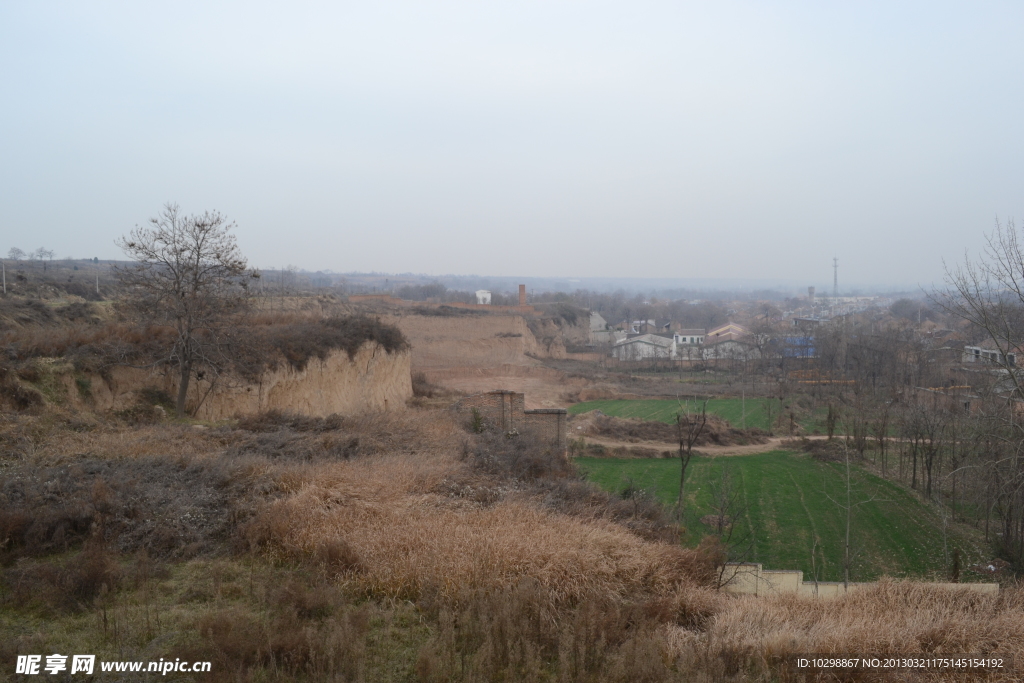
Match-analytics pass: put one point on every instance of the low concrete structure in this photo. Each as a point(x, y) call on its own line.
point(506, 410)
point(749, 578)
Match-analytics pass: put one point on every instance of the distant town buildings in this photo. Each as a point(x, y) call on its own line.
point(729, 341)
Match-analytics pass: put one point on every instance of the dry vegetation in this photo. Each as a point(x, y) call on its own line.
point(395, 547)
point(92, 340)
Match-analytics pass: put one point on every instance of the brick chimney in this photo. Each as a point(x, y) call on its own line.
point(522, 295)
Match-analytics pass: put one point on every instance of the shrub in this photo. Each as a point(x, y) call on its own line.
point(19, 396)
point(256, 344)
point(825, 450)
point(518, 456)
point(276, 420)
point(476, 422)
point(68, 587)
point(301, 342)
point(422, 387)
point(84, 386)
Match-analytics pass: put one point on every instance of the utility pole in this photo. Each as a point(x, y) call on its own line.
point(835, 280)
point(835, 288)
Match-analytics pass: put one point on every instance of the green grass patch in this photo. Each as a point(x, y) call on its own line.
point(665, 410)
point(741, 413)
point(782, 505)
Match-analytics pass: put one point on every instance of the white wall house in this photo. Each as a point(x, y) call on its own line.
point(689, 337)
point(729, 342)
point(986, 354)
point(731, 349)
point(643, 347)
point(483, 296)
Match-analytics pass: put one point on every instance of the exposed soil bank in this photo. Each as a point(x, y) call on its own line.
point(373, 379)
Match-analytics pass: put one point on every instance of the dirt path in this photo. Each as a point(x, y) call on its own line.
point(773, 444)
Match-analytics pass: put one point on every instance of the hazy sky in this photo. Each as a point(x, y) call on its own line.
point(667, 139)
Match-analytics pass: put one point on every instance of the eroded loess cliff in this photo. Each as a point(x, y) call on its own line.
point(373, 379)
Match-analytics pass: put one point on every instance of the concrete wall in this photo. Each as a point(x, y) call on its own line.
point(749, 578)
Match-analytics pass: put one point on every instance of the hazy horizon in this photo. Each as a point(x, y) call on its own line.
point(738, 141)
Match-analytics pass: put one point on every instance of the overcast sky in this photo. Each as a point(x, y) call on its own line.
point(662, 139)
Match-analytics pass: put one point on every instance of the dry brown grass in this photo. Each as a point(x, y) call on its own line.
point(757, 637)
point(172, 489)
point(411, 544)
point(519, 634)
point(413, 531)
point(519, 576)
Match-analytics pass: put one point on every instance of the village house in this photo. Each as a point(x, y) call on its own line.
point(689, 344)
point(989, 352)
point(727, 342)
point(599, 332)
point(730, 342)
point(644, 347)
point(694, 337)
point(636, 326)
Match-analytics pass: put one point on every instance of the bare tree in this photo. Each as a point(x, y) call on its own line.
point(988, 293)
point(689, 427)
point(728, 507)
point(15, 254)
point(848, 507)
point(880, 429)
point(43, 254)
point(187, 273)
